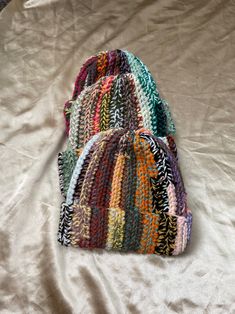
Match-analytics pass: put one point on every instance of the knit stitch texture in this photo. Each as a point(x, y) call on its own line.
point(119, 174)
point(126, 193)
point(114, 62)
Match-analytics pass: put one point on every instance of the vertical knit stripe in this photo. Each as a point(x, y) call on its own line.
point(116, 218)
point(116, 221)
point(117, 182)
point(150, 221)
point(89, 108)
point(90, 174)
point(104, 113)
point(149, 236)
point(133, 225)
point(104, 90)
point(172, 199)
point(179, 236)
point(80, 234)
point(78, 168)
point(143, 200)
point(101, 64)
point(167, 232)
point(98, 227)
point(103, 177)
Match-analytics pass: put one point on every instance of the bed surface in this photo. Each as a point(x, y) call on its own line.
point(189, 46)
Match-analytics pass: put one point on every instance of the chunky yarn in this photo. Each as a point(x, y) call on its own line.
point(117, 62)
point(119, 174)
point(126, 193)
point(112, 102)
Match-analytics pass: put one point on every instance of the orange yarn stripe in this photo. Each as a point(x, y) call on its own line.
point(143, 199)
point(149, 221)
point(149, 236)
point(101, 64)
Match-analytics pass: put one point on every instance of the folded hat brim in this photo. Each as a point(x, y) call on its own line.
point(123, 230)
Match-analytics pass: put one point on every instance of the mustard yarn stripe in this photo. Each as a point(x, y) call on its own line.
point(105, 89)
point(115, 199)
point(104, 116)
point(116, 222)
point(116, 218)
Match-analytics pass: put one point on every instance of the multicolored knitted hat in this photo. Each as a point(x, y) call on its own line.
point(115, 62)
point(126, 193)
point(112, 102)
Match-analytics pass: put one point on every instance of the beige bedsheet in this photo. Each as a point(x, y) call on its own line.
point(190, 48)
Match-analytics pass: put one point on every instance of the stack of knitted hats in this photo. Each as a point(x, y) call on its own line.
point(119, 174)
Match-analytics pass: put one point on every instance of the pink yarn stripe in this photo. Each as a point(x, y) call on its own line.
point(172, 199)
point(179, 241)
